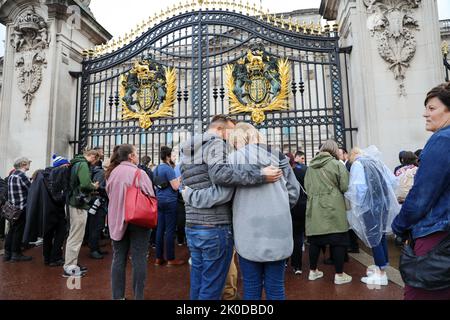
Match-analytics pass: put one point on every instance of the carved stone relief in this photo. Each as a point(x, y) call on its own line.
point(392, 23)
point(30, 39)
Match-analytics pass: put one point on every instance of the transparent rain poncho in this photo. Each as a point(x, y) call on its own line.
point(372, 197)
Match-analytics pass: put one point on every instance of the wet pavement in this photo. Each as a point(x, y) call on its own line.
point(34, 281)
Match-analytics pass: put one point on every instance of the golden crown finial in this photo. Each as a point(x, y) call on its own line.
point(444, 48)
point(297, 27)
point(290, 24)
point(275, 20)
point(282, 21)
point(335, 27)
point(304, 27)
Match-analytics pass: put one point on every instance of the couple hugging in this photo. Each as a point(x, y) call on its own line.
point(237, 193)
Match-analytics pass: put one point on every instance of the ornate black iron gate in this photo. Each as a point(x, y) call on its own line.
point(198, 46)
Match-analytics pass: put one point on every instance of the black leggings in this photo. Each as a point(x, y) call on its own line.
point(337, 252)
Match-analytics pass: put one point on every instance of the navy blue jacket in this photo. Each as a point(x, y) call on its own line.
point(427, 207)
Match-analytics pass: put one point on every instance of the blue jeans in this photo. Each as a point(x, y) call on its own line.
point(380, 254)
point(211, 251)
point(165, 232)
point(258, 274)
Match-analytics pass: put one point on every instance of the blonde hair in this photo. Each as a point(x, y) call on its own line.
point(354, 154)
point(331, 147)
point(245, 133)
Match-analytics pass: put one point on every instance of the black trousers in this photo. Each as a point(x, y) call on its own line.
point(13, 241)
point(96, 224)
point(54, 236)
point(2, 227)
point(353, 240)
point(181, 222)
point(297, 254)
point(338, 256)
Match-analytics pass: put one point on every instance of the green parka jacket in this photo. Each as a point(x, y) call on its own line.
point(326, 181)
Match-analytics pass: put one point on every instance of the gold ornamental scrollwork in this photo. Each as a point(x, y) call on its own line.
point(147, 92)
point(258, 83)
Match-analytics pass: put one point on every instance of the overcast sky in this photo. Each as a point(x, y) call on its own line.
point(119, 17)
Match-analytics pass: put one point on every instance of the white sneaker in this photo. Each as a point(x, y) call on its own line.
point(376, 279)
point(343, 279)
point(314, 275)
point(372, 269)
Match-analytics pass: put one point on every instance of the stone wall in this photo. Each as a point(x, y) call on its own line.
point(395, 60)
point(44, 41)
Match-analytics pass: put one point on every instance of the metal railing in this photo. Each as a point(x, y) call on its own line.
point(445, 25)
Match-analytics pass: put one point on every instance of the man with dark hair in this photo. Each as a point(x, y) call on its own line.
point(167, 185)
point(300, 160)
point(209, 231)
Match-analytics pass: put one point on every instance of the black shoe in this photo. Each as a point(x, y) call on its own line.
point(74, 273)
point(20, 258)
point(7, 256)
point(83, 268)
point(96, 255)
point(329, 261)
point(58, 263)
point(103, 252)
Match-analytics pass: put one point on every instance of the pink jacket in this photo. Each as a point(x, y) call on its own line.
point(116, 186)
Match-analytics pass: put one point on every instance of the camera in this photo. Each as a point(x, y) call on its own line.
point(82, 198)
point(95, 206)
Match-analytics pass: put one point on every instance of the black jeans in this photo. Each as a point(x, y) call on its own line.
point(96, 223)
point(54, 236)
point(136, 241)
point(13, 241)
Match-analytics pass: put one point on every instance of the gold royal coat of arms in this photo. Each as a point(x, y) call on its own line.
point(258, 83)
point(147, 91)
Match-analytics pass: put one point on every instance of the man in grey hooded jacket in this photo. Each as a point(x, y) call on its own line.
point(208, 230)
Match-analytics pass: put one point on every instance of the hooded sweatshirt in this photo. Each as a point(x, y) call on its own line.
point(80, 181)
point(262, 221)
point(326, 181)
point(204, 164)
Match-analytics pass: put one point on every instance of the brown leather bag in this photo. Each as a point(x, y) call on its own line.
point(10, 212)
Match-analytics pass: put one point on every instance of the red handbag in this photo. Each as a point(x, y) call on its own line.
point(140, 209)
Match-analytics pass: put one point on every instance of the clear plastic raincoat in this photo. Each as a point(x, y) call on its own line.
point(372, 197)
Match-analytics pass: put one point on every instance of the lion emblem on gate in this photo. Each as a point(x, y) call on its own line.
point(258, 83)
point(147, 91)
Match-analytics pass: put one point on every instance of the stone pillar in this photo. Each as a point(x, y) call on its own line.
point(395, 60)
point(44, 41)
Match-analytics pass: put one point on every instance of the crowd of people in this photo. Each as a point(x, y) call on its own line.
point(232, 198)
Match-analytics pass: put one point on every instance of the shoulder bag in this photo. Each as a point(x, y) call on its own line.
point(140, 209)
point(429, 272)
point(10, 212)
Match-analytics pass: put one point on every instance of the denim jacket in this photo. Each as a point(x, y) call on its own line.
point(427, 207)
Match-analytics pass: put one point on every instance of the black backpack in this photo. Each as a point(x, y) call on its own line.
point(57, 181)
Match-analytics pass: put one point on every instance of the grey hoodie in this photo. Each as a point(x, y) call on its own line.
point(261, 214)
point(203, 164)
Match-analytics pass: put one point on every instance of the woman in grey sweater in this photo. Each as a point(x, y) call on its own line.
point(261, 215)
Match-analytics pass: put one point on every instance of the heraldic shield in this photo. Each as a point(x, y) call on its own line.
point(258, 83)
point(147, 92)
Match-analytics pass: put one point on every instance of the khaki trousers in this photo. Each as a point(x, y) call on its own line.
point(231, 291)
point(78, 219)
